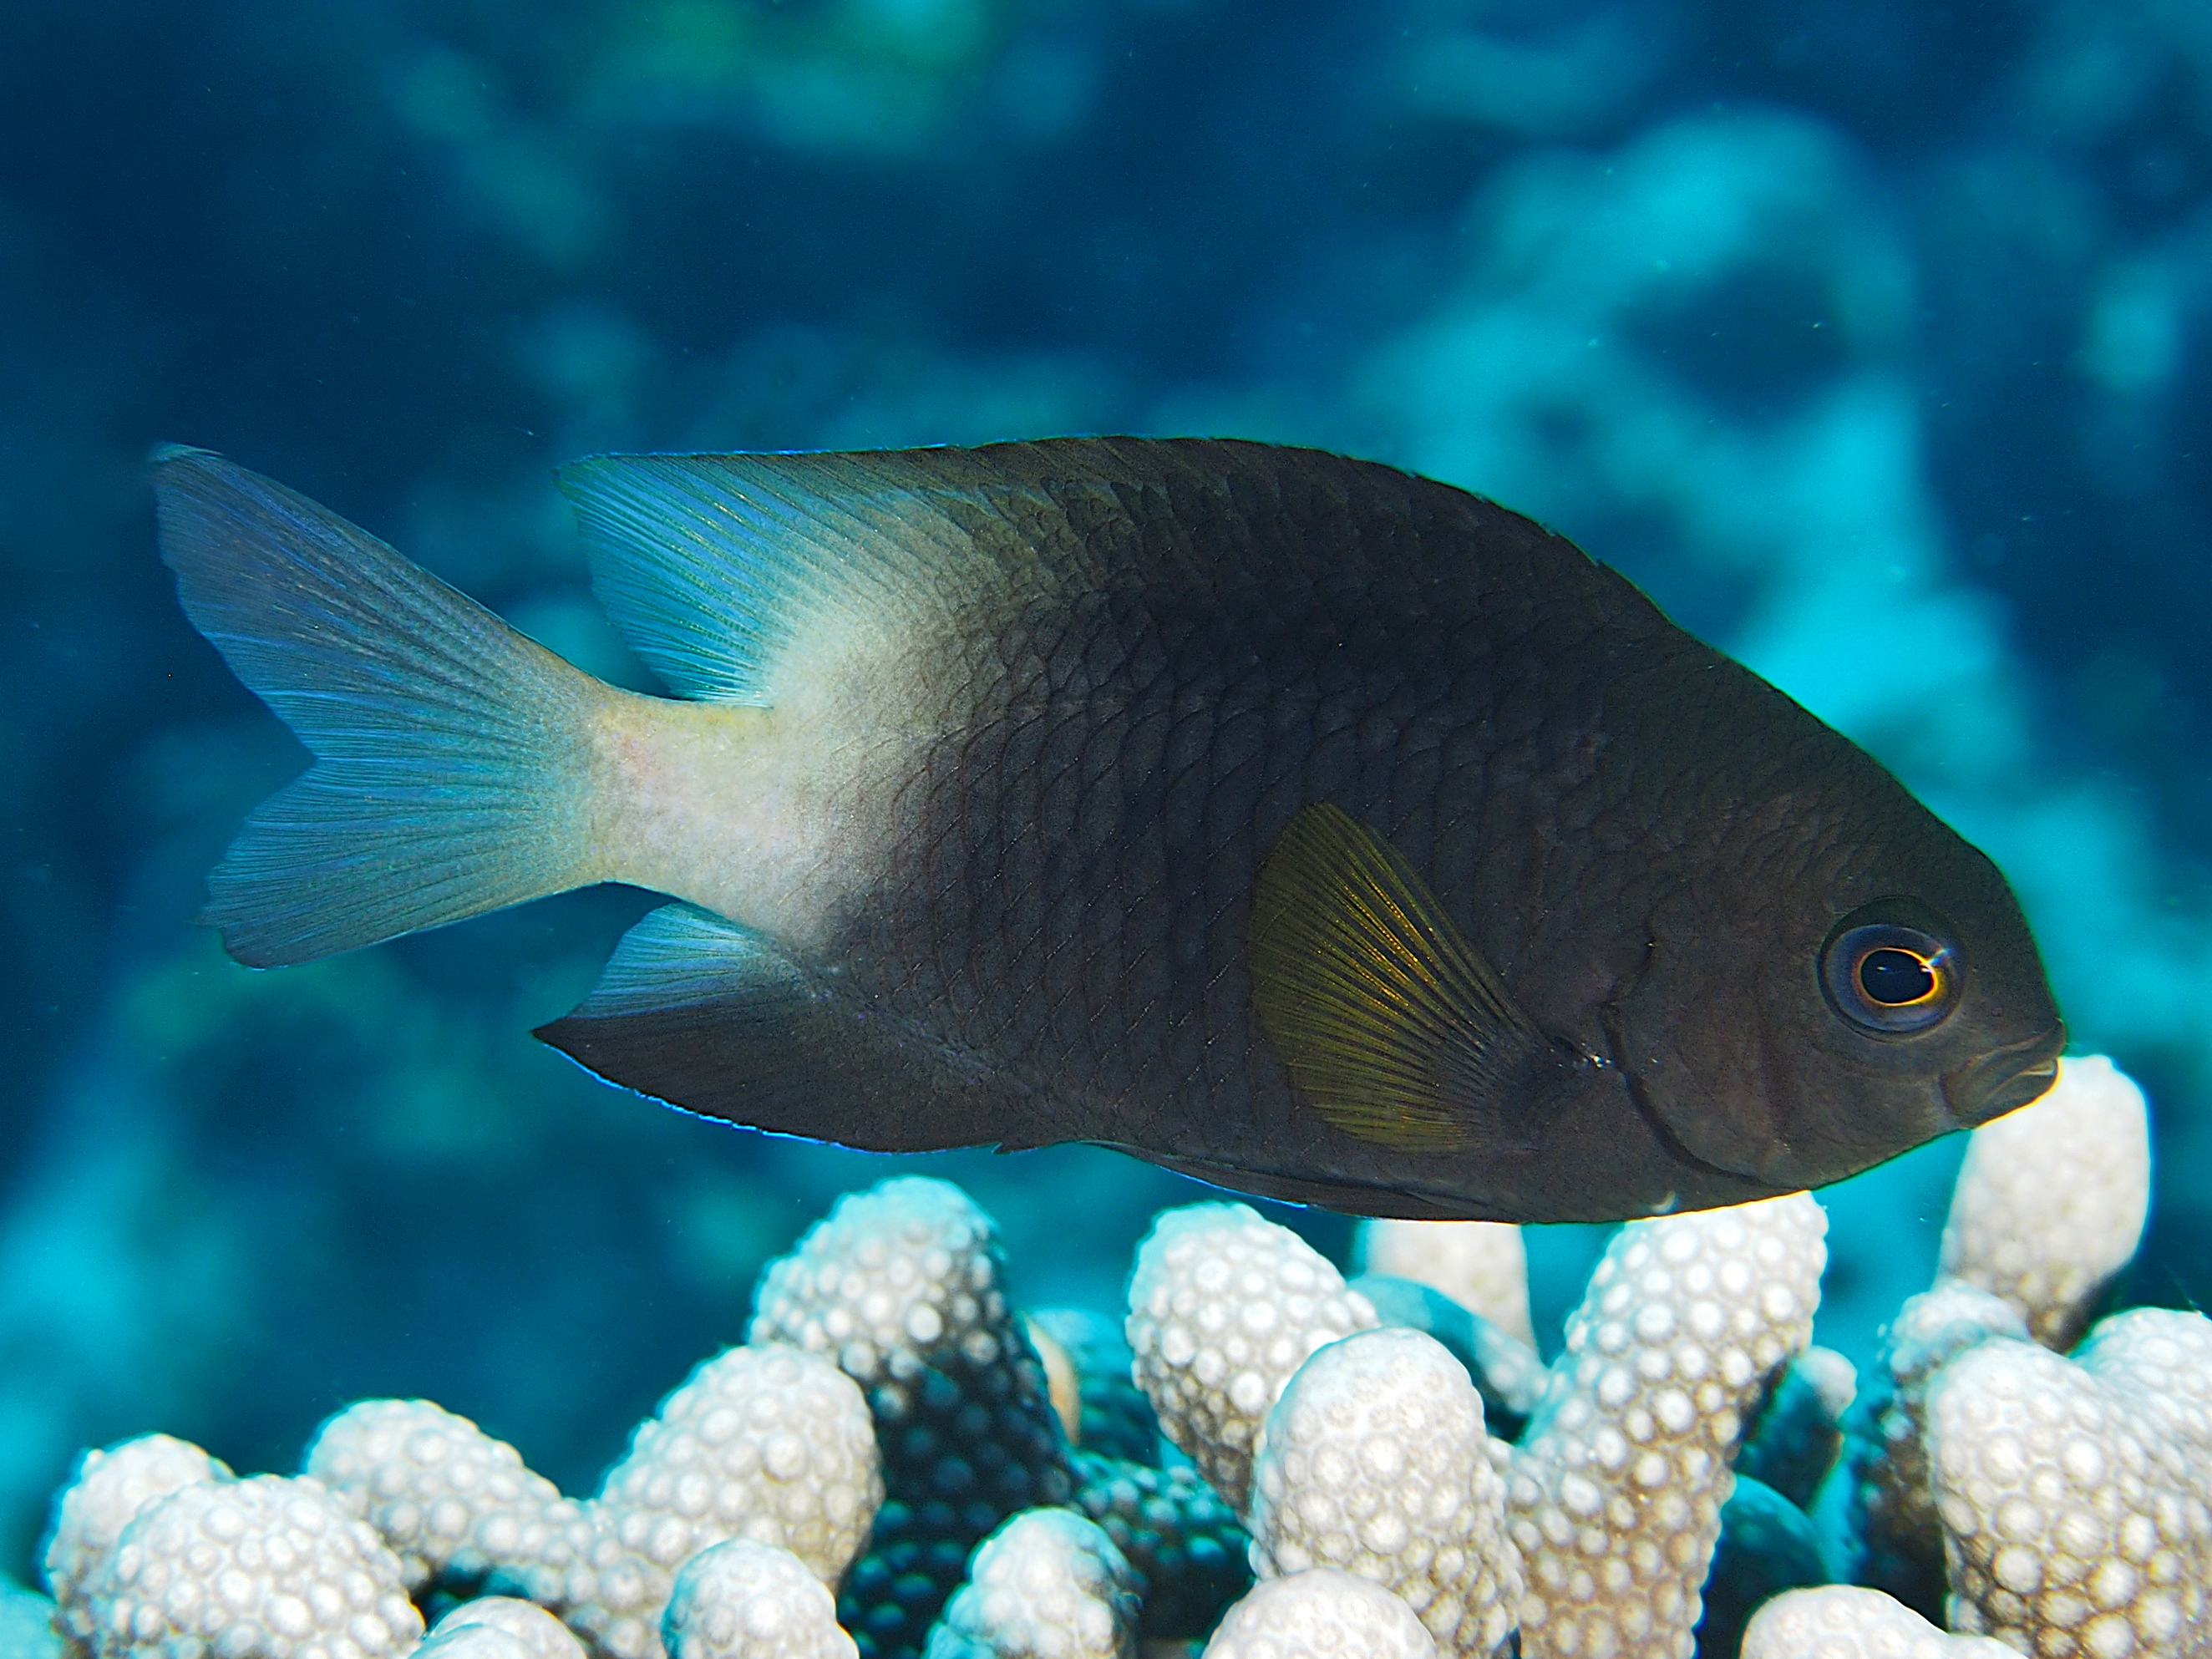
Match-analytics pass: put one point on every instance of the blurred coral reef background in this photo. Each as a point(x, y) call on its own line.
point(1875, 340)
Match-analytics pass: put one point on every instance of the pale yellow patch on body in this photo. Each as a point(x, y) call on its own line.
point(772, 817)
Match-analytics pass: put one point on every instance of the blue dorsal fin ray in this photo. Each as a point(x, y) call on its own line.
point(709, 564)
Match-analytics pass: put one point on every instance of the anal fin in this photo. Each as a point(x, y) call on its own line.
point(719, 1020)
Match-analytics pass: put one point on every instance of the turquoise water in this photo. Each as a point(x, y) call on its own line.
point(1875, 340)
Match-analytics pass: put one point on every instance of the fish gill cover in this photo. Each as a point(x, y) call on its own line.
point(1874, 343)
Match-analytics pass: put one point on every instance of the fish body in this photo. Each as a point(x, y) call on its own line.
point(1320, 830)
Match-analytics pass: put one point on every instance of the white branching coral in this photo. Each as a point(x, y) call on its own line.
point(2061, 1504)
point(2050, 1200)
point(1224, 1306)
point(770, 1443)
point(109, 1489)
point(271, 1567)
point(1482, 1265)
point(1615, 1493)
point(1323, 1613)
point(907, 1269)
point(499, 1628)
point(1896, 1536)
point(1842, 1621)
point(1375, 1459)
point(425, 1479)
point(2074, 1494)
point(1048, 1584)
point(744, 1600)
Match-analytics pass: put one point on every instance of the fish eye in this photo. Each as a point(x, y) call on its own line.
point(1887, 976)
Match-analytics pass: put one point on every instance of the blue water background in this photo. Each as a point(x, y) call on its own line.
point(1874, 339)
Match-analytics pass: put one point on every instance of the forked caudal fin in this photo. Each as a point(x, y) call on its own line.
point(453, 756)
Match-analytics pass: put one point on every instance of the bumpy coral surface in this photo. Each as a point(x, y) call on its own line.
point(1482, 1265)
point(1896, 1537)
point(1616, 1494)
point(272, 1567)
point(1224, 1306)
point(1046, 1585)
point(1840, 1621)
point(425, 1479)
point(2063, 1504)
point(770, 1443)
point(2075, 1519)
point(1323, 1613)
point(746, 1599)
point(1375, 1459)
point(2050, 1200)
point(499, 1628)
point(1186, 1549)
point(902, 1287)
point(109, 1489)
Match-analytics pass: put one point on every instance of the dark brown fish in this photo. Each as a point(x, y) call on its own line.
point(1317, 829)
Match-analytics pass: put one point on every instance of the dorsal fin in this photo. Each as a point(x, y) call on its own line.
point(1389, 1022)
point(710, 564)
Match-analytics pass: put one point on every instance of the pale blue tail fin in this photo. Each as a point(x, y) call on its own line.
point(453, 755)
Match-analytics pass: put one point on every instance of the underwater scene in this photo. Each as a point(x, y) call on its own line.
point(1872, 342)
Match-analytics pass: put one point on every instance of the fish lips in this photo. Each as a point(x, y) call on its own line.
point(2005, 1078)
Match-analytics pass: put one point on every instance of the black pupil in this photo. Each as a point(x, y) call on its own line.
point(1895, 977)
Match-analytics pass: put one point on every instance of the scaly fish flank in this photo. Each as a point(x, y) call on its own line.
point(1320, 831)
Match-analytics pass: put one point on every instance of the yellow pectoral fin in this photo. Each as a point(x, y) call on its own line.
point(1389, 1022)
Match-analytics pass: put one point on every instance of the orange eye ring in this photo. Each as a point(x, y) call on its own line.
point(1888, 978)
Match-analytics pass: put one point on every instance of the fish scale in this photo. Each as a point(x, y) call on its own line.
point(1323, 831)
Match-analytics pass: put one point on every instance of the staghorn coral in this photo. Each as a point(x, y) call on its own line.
point(1046, 1585)
point(742, 1599)
point(770, 1443)
point(1323, 1613)
point(109, 1488)
point(1180, 1539)
point(1223, 1307)
point(767, 1443)
point(2050, 1200)
point(270, 1566)
point(1894, 1539)
point(426, 1479)
point(1842, 1621)
point(1375, 1459)
point(1508, 1372)
point(499, 1628)
point(902, 1286)
point(2068, 1502)
point(1616, 1494)
point(2076, 1494)
point(1482, 1265)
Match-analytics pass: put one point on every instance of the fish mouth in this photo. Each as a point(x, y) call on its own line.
point(2004, 1079)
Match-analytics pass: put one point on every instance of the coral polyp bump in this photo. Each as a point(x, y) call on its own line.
point(884, 1470)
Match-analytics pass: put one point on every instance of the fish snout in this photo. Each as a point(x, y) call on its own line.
point(2005, 1078)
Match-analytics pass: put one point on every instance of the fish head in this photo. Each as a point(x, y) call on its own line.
point(1847, 984)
